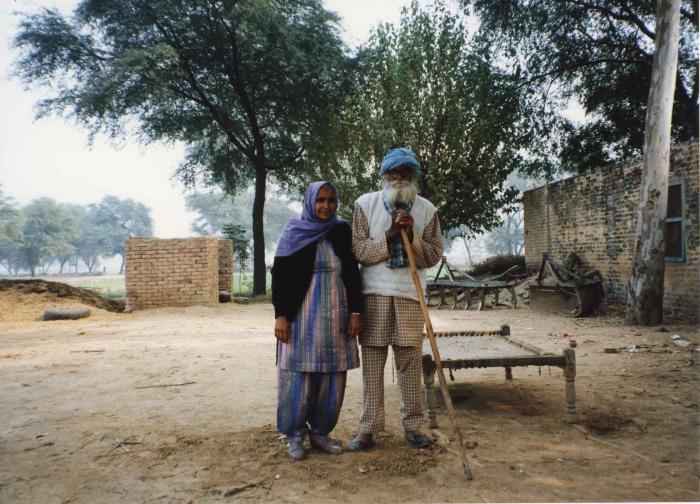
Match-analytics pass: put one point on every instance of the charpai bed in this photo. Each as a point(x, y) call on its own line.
point(493, 348)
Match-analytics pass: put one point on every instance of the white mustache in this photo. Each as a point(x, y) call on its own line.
point(400, 191)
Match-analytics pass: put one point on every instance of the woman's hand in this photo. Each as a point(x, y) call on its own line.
point(354, 325)
point(282, 331)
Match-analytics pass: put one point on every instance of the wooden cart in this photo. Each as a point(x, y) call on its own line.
point(558, 288)
point(464, 287)
point(496, 348)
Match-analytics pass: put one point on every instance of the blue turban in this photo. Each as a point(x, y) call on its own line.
point(399, 157)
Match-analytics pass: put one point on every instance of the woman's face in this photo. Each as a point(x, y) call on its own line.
point(325, 203)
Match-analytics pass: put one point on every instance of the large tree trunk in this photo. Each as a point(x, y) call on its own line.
point(645, 289)
point(259, 273)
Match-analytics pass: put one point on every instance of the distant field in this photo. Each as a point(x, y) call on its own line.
point(107, 285)
point(244, 285)
point(113, 285)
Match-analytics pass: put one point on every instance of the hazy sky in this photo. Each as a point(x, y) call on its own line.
point(51, 157)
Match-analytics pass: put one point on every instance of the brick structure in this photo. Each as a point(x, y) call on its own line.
point(595, 216)
point(175, 272)
point(226, 265)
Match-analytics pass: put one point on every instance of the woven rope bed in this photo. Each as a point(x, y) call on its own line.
point(493, 348)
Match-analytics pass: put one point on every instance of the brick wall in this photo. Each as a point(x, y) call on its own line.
point(595, 216)
point(225, 265)
point(176, 272)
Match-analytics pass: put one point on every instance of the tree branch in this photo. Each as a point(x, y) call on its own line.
point(219, 115)
point(235, 78)
point(630, 17)
point(287, 161)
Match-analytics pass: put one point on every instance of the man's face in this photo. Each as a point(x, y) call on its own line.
point(400, 186)
point(400, 173)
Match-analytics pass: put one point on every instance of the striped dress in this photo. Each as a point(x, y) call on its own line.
point(319, 340)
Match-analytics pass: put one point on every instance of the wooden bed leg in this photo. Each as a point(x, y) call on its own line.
point(430, 399)
point(570, 376)
point(509, 373)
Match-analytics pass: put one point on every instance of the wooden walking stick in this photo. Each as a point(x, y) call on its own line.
point(436, 354)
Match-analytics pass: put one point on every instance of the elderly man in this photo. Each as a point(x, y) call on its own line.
point(392, 314)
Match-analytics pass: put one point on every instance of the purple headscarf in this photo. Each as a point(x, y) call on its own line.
point(298, 233)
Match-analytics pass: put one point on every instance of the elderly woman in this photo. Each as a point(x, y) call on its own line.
point(317, 297)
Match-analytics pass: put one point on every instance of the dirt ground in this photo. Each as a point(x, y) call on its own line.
point(178, 405)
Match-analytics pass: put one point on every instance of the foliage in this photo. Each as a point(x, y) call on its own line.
point(216, 210)
point(241, 245)
point(599, 53)
point(425, 85)
point(69, 255)
point(47, 231)
point(10, 233)
point(114, 219)
point(89, 244)
point(246, 84)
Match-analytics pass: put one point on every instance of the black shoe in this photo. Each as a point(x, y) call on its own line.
point(296, 449)
point(417, 440)
point(325, 445)
point(358, 444)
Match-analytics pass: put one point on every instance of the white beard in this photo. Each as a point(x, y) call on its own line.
point(399, 192)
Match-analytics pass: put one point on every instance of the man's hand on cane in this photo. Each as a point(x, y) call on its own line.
point(401, 220)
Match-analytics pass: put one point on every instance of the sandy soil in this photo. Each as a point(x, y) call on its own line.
point(84, 418)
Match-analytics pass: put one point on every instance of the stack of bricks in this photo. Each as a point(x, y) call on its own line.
point(595, 216)
point(174, 272)
point(225, 265)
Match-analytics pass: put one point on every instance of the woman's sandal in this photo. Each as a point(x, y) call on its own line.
point(296, 449)
point(325, 445)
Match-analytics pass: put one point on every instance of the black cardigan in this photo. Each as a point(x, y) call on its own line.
point(291, 275)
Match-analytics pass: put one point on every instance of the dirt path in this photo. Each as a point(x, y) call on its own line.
point(83, 418)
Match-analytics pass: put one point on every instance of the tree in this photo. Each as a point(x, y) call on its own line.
point(68, 254)
point(645, 289)
point(114, 219)
point(241, 246)
point(597, 52)
point(46, 232)
point(425, 85)
point(89, 244)
point(246, 84)
point(216, 210)
point(508, 238)
point(10, 233)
